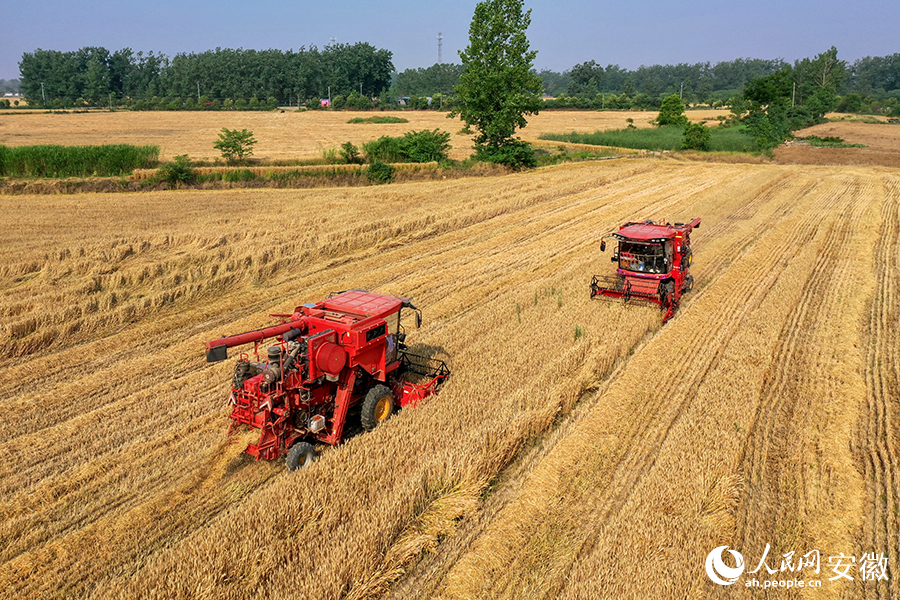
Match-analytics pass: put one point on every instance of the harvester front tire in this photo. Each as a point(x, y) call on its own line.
point(688, 284)
point(377, 407)
point(300, 456)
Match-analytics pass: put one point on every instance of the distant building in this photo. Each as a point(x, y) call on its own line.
point(326, 103)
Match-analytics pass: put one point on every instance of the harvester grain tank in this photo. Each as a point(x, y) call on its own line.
point(654, 263)
point(327, 358)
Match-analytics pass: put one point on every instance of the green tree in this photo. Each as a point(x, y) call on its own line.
point(498, 86)
point(585, 79)
point(671, 112)
point(696, 137)
point(851, 103)
point(235, 145)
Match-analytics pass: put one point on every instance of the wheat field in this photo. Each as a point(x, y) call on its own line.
point(552, 464)
point(281, 136)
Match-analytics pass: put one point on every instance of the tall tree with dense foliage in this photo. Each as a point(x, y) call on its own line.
point(498, 87)
point(671, 112)
point(792, 98)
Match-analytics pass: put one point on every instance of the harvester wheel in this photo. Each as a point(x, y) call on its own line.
point(688, 284)
point(688, 259)
point(377, 407)
point(300, 456)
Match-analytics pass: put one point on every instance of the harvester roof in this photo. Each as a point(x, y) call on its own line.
point(645, 232)
point(362, 303)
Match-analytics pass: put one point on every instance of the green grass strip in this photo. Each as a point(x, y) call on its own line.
point(108, 160)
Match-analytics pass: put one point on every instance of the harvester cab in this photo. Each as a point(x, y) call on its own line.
point(327, 358)
point(653, 264)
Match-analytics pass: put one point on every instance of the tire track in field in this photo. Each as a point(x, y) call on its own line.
point(144, 376)
point(767, 513)
point(647, 424)
point(424, 578)
point(729, 226)
point(762, 277)
point(651, 427)
point(877, 442)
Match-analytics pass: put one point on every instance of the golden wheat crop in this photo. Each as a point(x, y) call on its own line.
point(551, 464)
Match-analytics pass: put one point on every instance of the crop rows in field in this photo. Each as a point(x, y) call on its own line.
point(550, 465)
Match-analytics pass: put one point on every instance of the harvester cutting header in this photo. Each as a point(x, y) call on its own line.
point(328, 358)
point(654, 263)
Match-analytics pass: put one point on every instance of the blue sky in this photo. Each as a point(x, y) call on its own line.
point(564, 32)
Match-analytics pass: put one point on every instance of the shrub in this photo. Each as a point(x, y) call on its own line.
point(425, 146)
point(385, 149)
point(350, 153)
point(178, 171)
point(378, 120)
point(414, 146)
point(379, 172)
point(515, 154)
point(235, 145)
point(696, 137)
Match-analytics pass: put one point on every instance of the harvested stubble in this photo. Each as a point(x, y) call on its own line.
point(282, 136)
point(116, 481)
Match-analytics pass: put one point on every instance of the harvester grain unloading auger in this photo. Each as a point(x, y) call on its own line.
point(344, 352)
point(654, 263)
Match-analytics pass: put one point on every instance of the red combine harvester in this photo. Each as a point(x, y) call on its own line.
point(654, 264)
point(327, 358)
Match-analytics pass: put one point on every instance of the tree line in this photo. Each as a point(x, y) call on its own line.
point(351, 75)
point(95, 74)
point(871, 82)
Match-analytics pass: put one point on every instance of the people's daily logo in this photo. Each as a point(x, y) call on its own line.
point(721, 573)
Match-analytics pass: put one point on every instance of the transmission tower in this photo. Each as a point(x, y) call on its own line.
point(440, 42)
